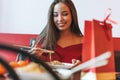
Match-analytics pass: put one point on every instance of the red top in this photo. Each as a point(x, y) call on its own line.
point(65, 54)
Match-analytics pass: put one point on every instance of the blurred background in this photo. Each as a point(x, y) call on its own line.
point(30, 16)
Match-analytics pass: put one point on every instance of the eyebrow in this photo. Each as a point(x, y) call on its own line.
point(65, 11)
point(62, 11)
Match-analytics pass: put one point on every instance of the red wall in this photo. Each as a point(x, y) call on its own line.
point(24, 39)
point(20, 39)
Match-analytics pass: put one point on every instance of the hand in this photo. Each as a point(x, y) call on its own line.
point(75, 61)
point(36, 51)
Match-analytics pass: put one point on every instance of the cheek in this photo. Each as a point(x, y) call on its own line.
point(69, 21)
point(54, 19)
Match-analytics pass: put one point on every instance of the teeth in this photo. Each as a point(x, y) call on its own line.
point(60, 24)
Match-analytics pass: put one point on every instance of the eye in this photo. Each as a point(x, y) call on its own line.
point(55, 14)
point(65, 13)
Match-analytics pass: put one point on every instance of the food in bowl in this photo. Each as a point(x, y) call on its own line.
point(56, 62)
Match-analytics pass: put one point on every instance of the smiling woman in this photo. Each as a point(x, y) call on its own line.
point(61, 34)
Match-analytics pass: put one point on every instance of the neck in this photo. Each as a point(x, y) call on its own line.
point(66, 34)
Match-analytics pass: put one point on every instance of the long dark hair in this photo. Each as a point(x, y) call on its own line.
point(50, 34)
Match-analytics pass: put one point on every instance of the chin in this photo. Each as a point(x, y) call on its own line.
point(62, 28)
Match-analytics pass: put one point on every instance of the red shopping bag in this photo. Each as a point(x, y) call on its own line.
point(97, 40)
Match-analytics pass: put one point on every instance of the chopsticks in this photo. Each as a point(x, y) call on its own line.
point(27, 47)
point(95, 62)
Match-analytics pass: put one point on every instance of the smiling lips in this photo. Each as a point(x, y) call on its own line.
point(61, 24)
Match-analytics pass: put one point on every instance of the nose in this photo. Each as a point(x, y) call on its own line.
point(60, 18)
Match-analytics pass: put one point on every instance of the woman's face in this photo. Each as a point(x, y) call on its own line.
point(62, 17)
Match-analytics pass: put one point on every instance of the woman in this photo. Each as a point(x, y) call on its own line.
point(61, 34)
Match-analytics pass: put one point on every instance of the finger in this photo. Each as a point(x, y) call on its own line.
point(73, 61)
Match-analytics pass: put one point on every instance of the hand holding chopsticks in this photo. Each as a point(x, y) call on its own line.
point(36, 51)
